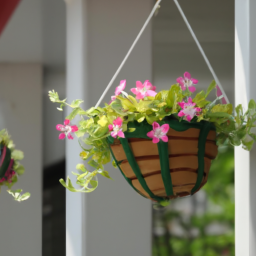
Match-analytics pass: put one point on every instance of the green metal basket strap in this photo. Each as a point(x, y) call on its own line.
point(201, 152)
point(127, 179)
point(136, 169)
point(5, 159)
point(165, 168)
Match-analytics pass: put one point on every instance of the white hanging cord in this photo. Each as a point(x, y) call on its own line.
point(201, 50)
point(129, 52)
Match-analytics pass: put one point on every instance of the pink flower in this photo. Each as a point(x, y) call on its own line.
point(116, 128)
point(144, 90)
point(118, 90)
point(188, 109)
point(159, 132)
point(187, 82)
point(219, 93)
point(66, 130)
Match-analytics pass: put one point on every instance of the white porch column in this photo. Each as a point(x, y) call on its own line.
point(245, 163)
point(113, 220)
point(76, 89)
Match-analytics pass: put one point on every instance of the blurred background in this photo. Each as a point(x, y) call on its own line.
point(34, 59)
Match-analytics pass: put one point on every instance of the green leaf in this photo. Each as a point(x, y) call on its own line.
point(162, 95)
point(54, 97)
point(20, 170)
point(68, 185)
point(152, 119)
point(17, 155)
point(225, 108)
point(132, 100)
point(93, 163)
point(24, 197)
point(164, 203)
point(94, 184)
point(81, 167)
point(114, 164)
point(131, 129)
point(76, 103)
point(174, 96)
point(247, 145)
point(18, 196)
point(239, 113)
point(73, 114)
point(200, 100)
point(141, 119)
point(252, 107)
point(85, 155)
point(127, 104)
point(210, 88)
point(82, 176)
point(103, 121)
point(105, 174)
point(253, 136)
point(80, 133)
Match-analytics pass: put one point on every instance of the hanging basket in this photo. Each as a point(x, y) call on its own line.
point(169, 170)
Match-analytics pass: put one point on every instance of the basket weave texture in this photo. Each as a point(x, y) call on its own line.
point(163, 171)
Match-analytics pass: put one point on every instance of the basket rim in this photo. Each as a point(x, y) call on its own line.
point(144, 127)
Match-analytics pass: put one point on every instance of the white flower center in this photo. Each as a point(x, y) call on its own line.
point(189, 110)
point(66, 129)
point(116, 128)
point(159, 133)
point(188, 82)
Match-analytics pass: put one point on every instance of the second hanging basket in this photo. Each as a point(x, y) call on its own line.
point(166, 170)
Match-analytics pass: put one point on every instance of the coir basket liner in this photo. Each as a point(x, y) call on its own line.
point(166, 170)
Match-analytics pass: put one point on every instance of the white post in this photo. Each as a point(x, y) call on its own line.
point(245, 164)
point(115, 220)
point(76, 88)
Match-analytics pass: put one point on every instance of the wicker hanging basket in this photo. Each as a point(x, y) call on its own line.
point(164, 171)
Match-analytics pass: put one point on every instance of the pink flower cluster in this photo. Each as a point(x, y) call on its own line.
point(189, 110)
point(187, 82)
point(66, 130)
point(159, 132)
point(143, 90)
point(116, 128)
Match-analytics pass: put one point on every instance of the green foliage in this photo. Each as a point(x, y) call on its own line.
point(18, 196)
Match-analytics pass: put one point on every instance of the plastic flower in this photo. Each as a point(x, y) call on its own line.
point(159, 132)
point(144, 90)
point(219, 93)
point(118, 90)
point(66, 130)
point(187, 82)
point(188, 109)
point(116, 128)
